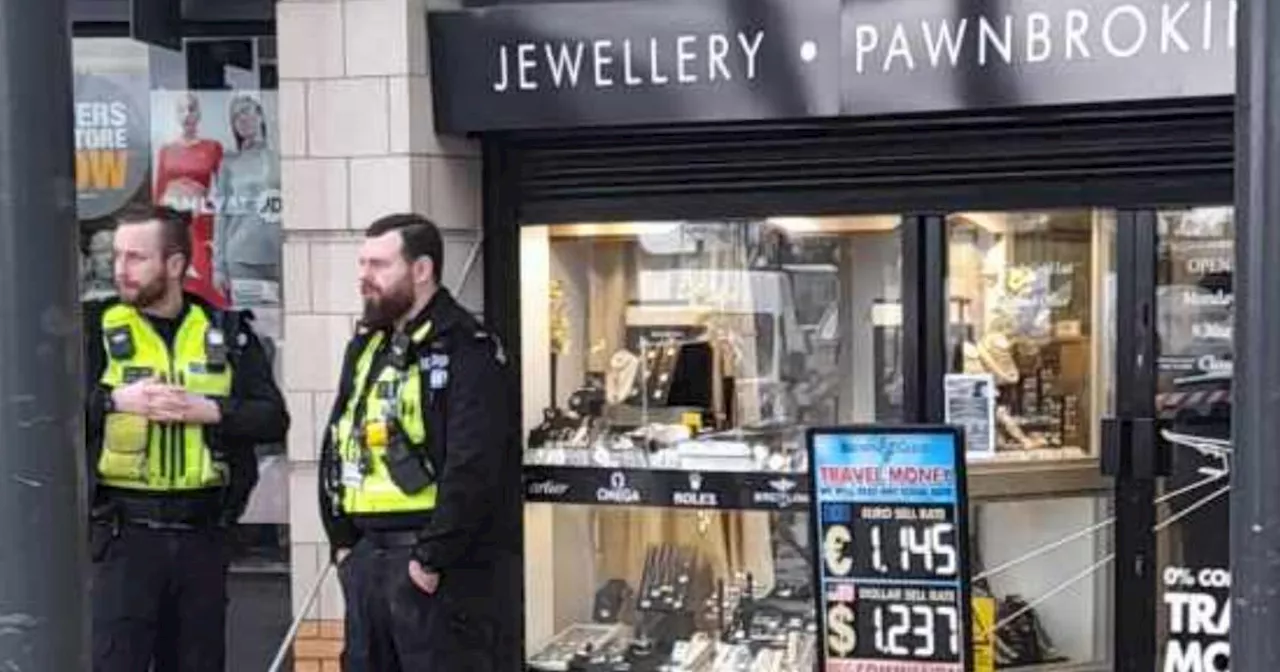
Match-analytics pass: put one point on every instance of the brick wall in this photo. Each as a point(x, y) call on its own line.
point(318, 647)
point(357, 142)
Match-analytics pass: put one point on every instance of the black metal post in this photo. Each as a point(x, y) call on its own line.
point(44, 621)
point(1129, 452)
point(1255, 497)
point(925, 316)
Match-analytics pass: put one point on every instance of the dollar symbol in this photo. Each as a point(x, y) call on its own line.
point(842, 638)
point(837, 538)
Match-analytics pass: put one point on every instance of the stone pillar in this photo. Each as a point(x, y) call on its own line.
point(357, 142)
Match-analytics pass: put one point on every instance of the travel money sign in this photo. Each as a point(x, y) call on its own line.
point(889, 524)
point(636, 62)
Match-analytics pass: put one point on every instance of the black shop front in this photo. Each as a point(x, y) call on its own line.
point(711, 225)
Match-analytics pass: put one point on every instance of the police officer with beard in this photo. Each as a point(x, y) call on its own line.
point(179, 393)
point(421, 479)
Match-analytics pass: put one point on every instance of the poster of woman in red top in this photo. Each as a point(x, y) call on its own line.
point(184, 173)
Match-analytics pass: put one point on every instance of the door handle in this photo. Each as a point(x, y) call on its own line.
point(1151, 454)
point(1116, 460)
point(1134, 448)
point(1152, 458)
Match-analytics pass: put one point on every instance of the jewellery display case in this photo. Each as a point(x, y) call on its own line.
point(669, 371)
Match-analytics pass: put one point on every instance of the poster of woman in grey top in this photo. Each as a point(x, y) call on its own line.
point(247, 230)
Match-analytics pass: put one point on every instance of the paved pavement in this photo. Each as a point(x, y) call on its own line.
point(257, 619)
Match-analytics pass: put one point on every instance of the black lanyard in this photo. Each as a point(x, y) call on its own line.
point(395, 353)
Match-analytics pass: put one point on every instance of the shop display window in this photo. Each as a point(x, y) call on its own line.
point(670, 369)
point(1030, 293)
point(1046, 562)
point(1031, 353)
point(669, 372)
point(705, 345)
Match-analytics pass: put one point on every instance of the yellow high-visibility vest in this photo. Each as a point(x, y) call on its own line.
point(362, 442)
point(139, 454)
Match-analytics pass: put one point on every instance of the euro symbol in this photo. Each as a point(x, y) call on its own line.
point(833, 545)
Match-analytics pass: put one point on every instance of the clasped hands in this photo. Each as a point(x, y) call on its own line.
point(162, 402)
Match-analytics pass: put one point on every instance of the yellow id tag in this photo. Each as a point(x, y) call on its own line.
point(376, 434)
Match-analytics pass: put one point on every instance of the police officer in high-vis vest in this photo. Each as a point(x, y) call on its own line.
point(420, 471)
point(179, 393)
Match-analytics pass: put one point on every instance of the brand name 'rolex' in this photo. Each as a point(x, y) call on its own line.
point(647, 62)
point(696, 499)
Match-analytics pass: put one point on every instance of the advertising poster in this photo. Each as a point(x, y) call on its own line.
point(215, 155)
point(889, 514)
point(209, 153)
point(970, 402)
point(112, 141)
point(112, 164)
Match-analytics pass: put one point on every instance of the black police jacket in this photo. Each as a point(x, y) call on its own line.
point(473, 447)
point(254, 414)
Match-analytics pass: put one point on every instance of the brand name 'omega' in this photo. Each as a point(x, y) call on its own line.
point(618, 492)
point(652, 62)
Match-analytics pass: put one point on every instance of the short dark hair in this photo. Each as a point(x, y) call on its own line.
point(420, 235)
point(175, 227)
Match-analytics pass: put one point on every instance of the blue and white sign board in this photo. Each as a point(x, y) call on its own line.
point(889, 525)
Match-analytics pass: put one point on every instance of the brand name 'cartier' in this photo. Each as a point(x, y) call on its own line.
point(686, 60)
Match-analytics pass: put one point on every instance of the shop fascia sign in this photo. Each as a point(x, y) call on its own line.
point(1068, 33)
point(712, 57)
point(638, 62)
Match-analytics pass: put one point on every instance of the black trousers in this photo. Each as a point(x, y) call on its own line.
point(160, 597)
point(392, 626)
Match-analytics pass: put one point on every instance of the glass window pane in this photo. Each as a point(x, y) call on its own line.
point(1195, 314)
point(1055, 606)
point(1028, 297)
point(778, 323)
point(659, 356)
point(1032, 360)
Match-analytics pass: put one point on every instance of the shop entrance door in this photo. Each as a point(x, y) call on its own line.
point(1131, 451)
point(1167, 446)
point(1169, 442)
point(1031, 375)
point(1098, 487)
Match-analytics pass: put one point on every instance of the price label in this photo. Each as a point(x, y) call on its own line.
point(892, 566)
point(917, 542)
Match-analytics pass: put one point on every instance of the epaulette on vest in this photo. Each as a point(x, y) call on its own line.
point(499, 353)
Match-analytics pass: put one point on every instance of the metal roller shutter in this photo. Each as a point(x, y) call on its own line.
point(1130, 156)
